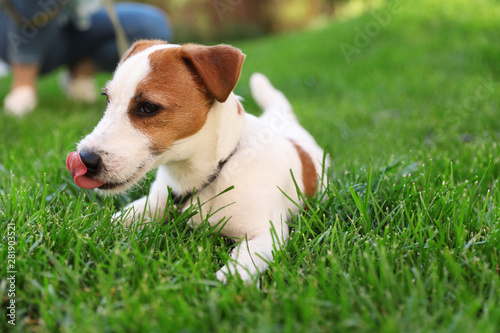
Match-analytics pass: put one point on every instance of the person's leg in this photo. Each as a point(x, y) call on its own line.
point(79, 83)
point(99, 43)
point(95, 49)
point(22, 97)
point(24, 75)
point(84, 51)
point(24, 47)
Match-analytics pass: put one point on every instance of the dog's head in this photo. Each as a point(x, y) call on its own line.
point(160, 95)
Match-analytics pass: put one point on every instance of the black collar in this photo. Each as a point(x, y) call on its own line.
point(180, 199)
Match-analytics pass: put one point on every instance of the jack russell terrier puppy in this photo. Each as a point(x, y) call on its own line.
point(172, 107)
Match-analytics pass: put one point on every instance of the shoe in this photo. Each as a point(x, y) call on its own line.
point(81, 89)
point(20, 101)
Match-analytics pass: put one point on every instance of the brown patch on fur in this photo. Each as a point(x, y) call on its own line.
point(216, 67)
point(309, 175)
point(183, 82)
point(183, 105)
point(141, 46)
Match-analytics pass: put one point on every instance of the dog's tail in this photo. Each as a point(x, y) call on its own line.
point(270, 99)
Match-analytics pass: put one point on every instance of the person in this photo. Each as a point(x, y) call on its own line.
point(37, 37)
point(4, 69)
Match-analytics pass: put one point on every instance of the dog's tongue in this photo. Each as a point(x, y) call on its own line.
point(78, 171)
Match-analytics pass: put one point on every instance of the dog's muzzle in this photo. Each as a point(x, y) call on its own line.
point(83, 167)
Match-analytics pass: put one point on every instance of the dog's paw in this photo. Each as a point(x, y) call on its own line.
point(248, 279)
point(124, 218)
point(233, 270)
point(221, 275)
point(131, 213)
point(135, 213)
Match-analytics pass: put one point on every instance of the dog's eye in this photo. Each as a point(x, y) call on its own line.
point(149, 108)
point(107, 98)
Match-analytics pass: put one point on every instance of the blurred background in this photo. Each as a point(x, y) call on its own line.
point(216, 20)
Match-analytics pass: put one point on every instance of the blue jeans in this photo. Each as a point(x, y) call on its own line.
point(54, 45)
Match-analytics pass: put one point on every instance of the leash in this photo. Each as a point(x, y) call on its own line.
point(179, 199)
point(122, 41)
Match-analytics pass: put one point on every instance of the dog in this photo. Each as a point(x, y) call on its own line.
point(172, 107)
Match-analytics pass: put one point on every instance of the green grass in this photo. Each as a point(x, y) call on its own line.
point(406, 240)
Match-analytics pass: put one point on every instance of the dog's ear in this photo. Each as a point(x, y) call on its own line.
point(139, 46)
point(216, 67)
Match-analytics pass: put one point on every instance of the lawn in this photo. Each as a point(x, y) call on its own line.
point(405, 98)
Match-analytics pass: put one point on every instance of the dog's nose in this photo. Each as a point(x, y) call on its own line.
point(92, 161)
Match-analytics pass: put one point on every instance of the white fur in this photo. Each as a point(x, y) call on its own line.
point(255, 210)
point(126, 152)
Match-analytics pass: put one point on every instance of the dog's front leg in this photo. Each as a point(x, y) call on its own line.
point(148, 208)
point(252, 256)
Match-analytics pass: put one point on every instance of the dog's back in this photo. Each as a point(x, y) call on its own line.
point(279, 115)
